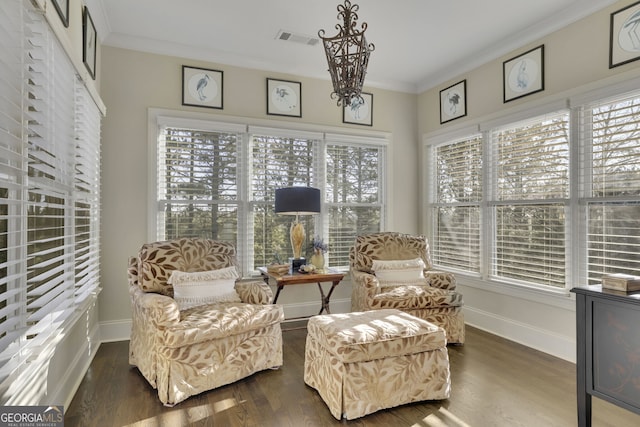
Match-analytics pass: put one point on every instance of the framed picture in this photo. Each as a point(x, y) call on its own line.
point(62, 7)
point(202, 87)
point(453, 102)
point(89, 37)
point(284, 98)
point(624, 42)
point(524, 74)
point(359, 111)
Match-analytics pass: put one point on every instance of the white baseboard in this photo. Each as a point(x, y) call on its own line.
point(292, 311)
point(67, 387)
point(546, 341)
point(118, 330)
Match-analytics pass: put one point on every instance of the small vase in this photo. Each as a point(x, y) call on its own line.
point(317, 259)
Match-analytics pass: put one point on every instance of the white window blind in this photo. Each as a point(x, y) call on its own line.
point(354, 177)
point(277, 162)
point(610, 180)
point(12, 165)
point(87, 194)
point(530, 193)
point(198, 184)
point(51, 144)
point(456, 208)
point(49, 197)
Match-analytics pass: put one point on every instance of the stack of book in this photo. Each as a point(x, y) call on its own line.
point(621, 282)
point(278, 268)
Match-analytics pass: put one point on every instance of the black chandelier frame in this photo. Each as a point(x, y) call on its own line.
point(347, 55)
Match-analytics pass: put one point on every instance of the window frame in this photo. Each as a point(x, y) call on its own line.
point(158, 118)
point(435, 205)
point(576, 204)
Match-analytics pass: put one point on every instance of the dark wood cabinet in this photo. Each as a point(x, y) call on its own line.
point(608, 349)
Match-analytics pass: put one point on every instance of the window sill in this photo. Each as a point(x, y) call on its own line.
point(560, 298)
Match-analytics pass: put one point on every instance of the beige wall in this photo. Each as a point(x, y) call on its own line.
point(132, 82)
point(576, 61)
point(575, 56)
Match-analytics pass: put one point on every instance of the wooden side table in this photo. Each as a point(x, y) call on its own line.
point(283, 280)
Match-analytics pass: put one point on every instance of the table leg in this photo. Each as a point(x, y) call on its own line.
point(275, 299)
point(325, 299)
point(584, 398)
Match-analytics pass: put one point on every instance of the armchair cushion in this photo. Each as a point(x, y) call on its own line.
point(413, 297)
point(210, 322)
point(204, 287)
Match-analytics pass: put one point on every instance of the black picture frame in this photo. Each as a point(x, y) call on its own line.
point(284, 98)
point(202, 87)
point(624, 36)
point(523, 75)
point(453, 102)
point(62, 7)
point(89, 43)
point(359, 111)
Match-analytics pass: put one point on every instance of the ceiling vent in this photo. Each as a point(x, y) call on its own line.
point(297, 38)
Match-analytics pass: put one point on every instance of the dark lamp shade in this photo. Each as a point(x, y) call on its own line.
point(297, 201)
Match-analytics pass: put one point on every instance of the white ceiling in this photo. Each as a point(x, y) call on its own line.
point(418, 43)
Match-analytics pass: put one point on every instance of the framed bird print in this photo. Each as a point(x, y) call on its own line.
point(202, 87)
point(624, 41)
point(359, 111)
point(284, 98)
point(89, 43)
point(524, 74)
point(453, 102)
point(62, 7)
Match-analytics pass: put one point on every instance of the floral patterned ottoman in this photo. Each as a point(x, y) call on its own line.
point(366, 361)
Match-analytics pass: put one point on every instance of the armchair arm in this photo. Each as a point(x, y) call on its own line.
point(161, 310)
point(363, 288)
point(441, 279)
point(254, 292)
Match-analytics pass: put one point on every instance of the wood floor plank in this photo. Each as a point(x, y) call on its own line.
point(495, 382)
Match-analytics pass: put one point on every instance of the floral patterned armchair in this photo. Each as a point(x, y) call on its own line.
point(432, 296)
point(184, 350)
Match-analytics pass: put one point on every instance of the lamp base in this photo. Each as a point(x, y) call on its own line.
point(296, 263)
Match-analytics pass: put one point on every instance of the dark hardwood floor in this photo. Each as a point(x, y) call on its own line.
point(495, 382)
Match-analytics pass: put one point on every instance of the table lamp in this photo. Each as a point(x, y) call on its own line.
point(297, 201)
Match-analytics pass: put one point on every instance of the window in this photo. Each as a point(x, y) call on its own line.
point(278, 161)
point(559, 204)
point(220, 183)
point(611, 183)
point(198, 192)
point(530, 187)
point(353, 194)
point(49, 195)
point(456, 208)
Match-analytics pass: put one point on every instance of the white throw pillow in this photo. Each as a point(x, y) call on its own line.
point(204, 287)
point(398, 272)
point(400, 276)
point(396, 264)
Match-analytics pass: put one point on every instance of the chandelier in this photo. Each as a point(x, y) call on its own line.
point(347, 55)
